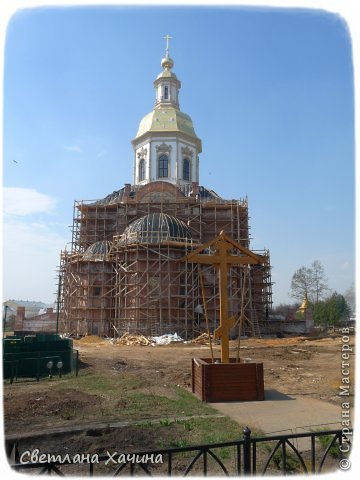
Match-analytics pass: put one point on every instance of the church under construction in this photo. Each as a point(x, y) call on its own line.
point(124, 271)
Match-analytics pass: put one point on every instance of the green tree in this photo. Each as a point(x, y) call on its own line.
point(332, 311)
point(320, 314)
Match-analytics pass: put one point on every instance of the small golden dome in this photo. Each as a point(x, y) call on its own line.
point(167, 63)
point(304, 304)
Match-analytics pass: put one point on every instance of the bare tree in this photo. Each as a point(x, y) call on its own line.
point(309, 282)
point(301, 283)
point(320, 286)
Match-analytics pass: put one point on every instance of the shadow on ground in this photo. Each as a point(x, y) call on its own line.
point(272, 394)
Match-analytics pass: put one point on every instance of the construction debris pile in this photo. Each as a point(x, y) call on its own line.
point(166, 339)
point(145, 341)
point(203, 339)
point(128, 339)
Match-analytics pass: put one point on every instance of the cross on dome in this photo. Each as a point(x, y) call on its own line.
point(167, 63)
point(167, 38)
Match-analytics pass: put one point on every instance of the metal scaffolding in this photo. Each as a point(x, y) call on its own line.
point(112, 282)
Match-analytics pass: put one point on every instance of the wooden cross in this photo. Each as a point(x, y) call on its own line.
point(222, 260)
point(167, 38)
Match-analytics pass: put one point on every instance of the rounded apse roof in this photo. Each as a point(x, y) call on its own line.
point(156, 228)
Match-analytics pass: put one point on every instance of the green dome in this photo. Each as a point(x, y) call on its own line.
point(166, 119)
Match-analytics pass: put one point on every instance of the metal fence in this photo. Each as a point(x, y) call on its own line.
point(280, 454)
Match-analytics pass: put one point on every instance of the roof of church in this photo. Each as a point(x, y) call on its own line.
point(166, 119)
point(167, 74)
point(97, 251)
point(156, 228)
point(117, 196)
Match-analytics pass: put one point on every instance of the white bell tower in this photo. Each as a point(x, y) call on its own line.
point(166, 146)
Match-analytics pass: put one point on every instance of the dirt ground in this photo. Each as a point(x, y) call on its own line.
point(138, 398)
point(298, 365)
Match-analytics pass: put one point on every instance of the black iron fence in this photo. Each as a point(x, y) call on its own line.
point(310, 452)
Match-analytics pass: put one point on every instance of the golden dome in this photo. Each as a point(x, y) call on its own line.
point(167, 119)
point(167, 63)
point(304, 304)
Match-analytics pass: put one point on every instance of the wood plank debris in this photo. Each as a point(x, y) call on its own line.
point(127, 339)
point(203, 339)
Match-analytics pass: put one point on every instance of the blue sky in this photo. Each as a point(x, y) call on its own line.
point(270, 92)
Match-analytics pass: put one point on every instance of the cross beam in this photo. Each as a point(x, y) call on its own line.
point(167, 38)
point(221, 260)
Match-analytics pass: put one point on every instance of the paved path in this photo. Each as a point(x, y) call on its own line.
point(281, 414)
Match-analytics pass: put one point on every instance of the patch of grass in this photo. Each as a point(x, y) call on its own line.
point(325, 441)
point(188, 426)
point(161, 444)
point(104, 383)
point(68, 413)
point(189, 405)
point(292, 463)
point(194, 431)
point(87, 382)
point(126, 397)
point(225, 453)
point(166, 422)
point(139, 405)
point(180, 443)
point(217, 430)
point(147, 423)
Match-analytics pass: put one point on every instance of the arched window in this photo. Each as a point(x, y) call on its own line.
point(141, 170)
point(163, 166)
point(186, 169)
point(166, 92)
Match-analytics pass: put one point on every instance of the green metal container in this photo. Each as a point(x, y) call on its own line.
point(29, 356)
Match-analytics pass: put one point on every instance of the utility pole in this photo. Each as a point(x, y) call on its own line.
point(58, 305)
